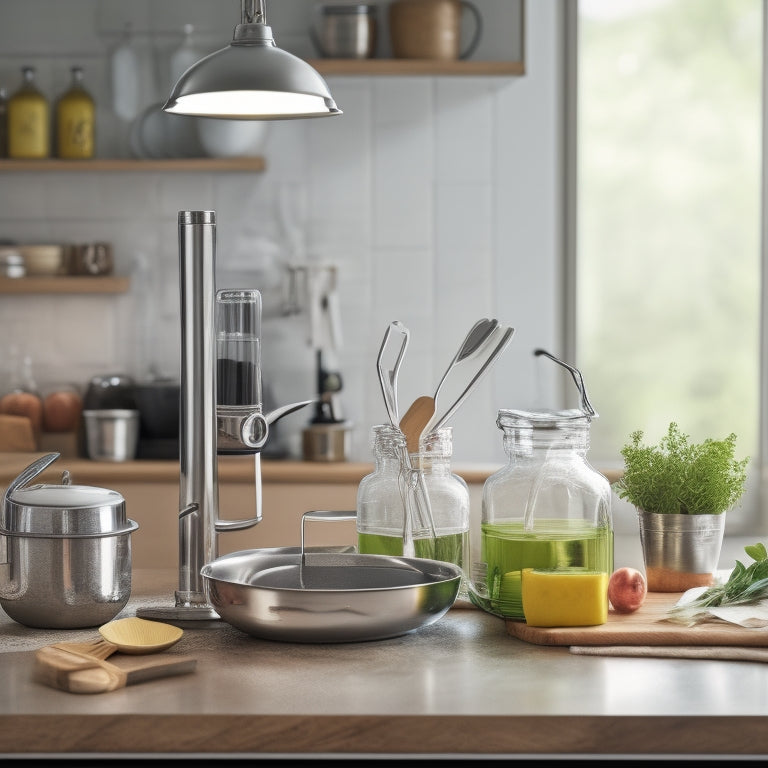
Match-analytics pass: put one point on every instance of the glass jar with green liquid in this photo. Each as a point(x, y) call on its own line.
point(547, 508)
point(394, 487)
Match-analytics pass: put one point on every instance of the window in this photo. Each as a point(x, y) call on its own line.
point(667, 203)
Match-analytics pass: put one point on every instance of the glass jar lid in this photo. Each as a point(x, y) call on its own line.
point(514, 419)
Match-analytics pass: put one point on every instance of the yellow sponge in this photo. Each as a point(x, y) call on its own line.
point(564, 598)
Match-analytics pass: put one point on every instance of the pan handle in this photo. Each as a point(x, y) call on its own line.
point(325, 516)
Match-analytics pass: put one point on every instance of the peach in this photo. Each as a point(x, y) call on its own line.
point(627, 589)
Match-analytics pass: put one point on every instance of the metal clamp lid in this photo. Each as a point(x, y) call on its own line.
point(64, 510)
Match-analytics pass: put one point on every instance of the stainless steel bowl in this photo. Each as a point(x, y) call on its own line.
point(67, 552)
point(328, 597)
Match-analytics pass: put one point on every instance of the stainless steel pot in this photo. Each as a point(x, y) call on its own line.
point(67, 552)
point(315, 596)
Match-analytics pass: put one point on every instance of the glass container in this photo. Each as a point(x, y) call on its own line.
point(28, 120)
point(75, 120)
point(3, 122)
point(547, 508)
point(426, 487)
point(238, 348)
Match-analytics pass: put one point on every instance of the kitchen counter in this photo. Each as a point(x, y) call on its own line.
point(230, 469)
point(462, 686)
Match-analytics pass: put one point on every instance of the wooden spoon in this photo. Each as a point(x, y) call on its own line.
point(137, 636)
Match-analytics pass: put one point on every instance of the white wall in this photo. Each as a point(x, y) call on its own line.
point(439, 198)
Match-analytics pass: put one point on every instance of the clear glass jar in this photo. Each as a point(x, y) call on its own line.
point(546, 508)
point(380, 500)
point(393, 486)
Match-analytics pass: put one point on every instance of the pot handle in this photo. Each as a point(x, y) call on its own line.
point(33, 470)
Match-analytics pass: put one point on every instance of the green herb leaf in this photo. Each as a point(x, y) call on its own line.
point(756, 551)
point(745, 585)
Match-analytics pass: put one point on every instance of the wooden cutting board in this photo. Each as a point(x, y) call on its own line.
point(646, 626)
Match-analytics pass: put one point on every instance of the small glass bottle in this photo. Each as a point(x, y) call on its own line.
point(75, 120)
point(3, 122)
point(23, 395)
point(380, 501)
point(385, 494)
point(29, 128)
point(547, 508)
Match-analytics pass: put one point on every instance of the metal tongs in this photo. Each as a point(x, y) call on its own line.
point(388, 366)
point(586, 406)
point(417, 510)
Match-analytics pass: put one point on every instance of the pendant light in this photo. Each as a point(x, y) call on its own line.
point(251, 79)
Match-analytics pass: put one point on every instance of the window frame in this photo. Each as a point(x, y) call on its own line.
point(753, 518)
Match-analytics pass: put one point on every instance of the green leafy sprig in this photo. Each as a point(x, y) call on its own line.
point(744, 585)
point(678, 476)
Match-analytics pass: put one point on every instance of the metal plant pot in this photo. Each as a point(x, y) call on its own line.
point(680, 551)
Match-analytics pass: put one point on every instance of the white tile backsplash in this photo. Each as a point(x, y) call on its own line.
point(437, 199)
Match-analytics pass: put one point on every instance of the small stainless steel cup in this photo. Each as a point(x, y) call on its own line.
point(326, 442)
point(346, 31)
point(688, 543)
point(111, 435)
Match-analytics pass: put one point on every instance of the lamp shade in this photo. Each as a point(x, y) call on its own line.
point(252, 79)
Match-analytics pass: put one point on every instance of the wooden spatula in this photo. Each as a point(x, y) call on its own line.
point(415, 419)
point(422, 409)
point(80, 673)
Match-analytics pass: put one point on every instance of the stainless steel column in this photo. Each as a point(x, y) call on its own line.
point(198, 485)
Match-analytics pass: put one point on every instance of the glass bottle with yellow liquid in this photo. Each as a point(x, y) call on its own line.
point(75, 120)
point(29, 132)
point(547, 508)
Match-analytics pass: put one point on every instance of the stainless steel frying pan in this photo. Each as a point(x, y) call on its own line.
point(315, 595)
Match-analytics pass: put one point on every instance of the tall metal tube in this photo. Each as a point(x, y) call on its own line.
point(198, 482)
point(198, 489)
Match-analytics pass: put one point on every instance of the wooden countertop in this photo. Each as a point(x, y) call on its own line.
point(231, 469)
point(462, 686)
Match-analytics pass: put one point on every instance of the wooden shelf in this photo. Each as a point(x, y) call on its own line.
point(416, 67)
point(65, 284)
point(229, 164)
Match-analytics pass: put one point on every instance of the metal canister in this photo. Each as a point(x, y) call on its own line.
point(67, 552)
point(346, 31)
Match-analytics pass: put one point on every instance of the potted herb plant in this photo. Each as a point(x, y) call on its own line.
point(681, 491)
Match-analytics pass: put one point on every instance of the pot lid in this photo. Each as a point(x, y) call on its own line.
point(61, 510)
